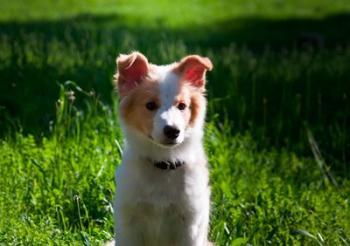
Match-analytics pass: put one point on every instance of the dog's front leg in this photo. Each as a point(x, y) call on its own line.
point(191, 231)
point(129, 234)
point(198, 230)
point(129, 228)
point(193, 235)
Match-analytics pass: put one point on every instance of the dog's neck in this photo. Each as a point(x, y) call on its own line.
point(167, 165)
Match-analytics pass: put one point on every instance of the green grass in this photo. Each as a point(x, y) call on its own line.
point(171, 13)
point(60, 188)
point(277, 132)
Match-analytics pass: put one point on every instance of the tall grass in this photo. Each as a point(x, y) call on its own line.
point(61, 185)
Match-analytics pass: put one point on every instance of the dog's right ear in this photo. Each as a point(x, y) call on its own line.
point(193, 68)
point(130, 71)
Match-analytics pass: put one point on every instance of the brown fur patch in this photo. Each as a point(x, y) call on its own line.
point(133, 107)
point(197, 104)
point(194, 99)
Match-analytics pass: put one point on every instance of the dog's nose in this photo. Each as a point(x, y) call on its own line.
point(171, 132)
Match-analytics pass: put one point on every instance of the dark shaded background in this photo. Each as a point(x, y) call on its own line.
point(273, 77)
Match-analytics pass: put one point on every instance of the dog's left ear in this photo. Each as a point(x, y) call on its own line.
point(192, 69)
point(130, 71)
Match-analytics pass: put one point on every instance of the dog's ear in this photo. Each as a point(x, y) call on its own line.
point(130, 71)
point(192, 69)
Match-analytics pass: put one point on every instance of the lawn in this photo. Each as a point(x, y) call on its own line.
point(277, 132)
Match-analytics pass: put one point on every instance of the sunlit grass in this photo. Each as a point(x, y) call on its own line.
point(170, 13)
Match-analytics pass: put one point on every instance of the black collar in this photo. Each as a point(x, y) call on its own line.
point(168, 165)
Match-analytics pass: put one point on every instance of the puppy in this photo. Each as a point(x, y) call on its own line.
point(162, 195)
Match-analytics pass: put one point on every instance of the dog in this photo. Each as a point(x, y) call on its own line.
point(163, 192)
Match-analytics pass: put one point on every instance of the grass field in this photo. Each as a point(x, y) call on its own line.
point(277, 132)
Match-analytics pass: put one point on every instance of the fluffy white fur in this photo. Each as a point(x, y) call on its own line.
point(163, 207)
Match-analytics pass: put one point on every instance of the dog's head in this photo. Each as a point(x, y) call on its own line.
point(162, 103)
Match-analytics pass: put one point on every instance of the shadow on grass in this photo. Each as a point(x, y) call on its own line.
point(255, 32)
point(35, 56)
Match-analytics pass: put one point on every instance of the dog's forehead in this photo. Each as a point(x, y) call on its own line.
point(168, 82)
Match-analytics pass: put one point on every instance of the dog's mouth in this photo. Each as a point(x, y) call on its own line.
point(167, 143)
point(170, 143)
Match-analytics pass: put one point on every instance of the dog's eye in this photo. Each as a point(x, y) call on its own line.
point(181, 106)
point(151, 105)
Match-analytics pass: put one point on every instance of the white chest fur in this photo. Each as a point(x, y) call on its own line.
point(162, 207)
